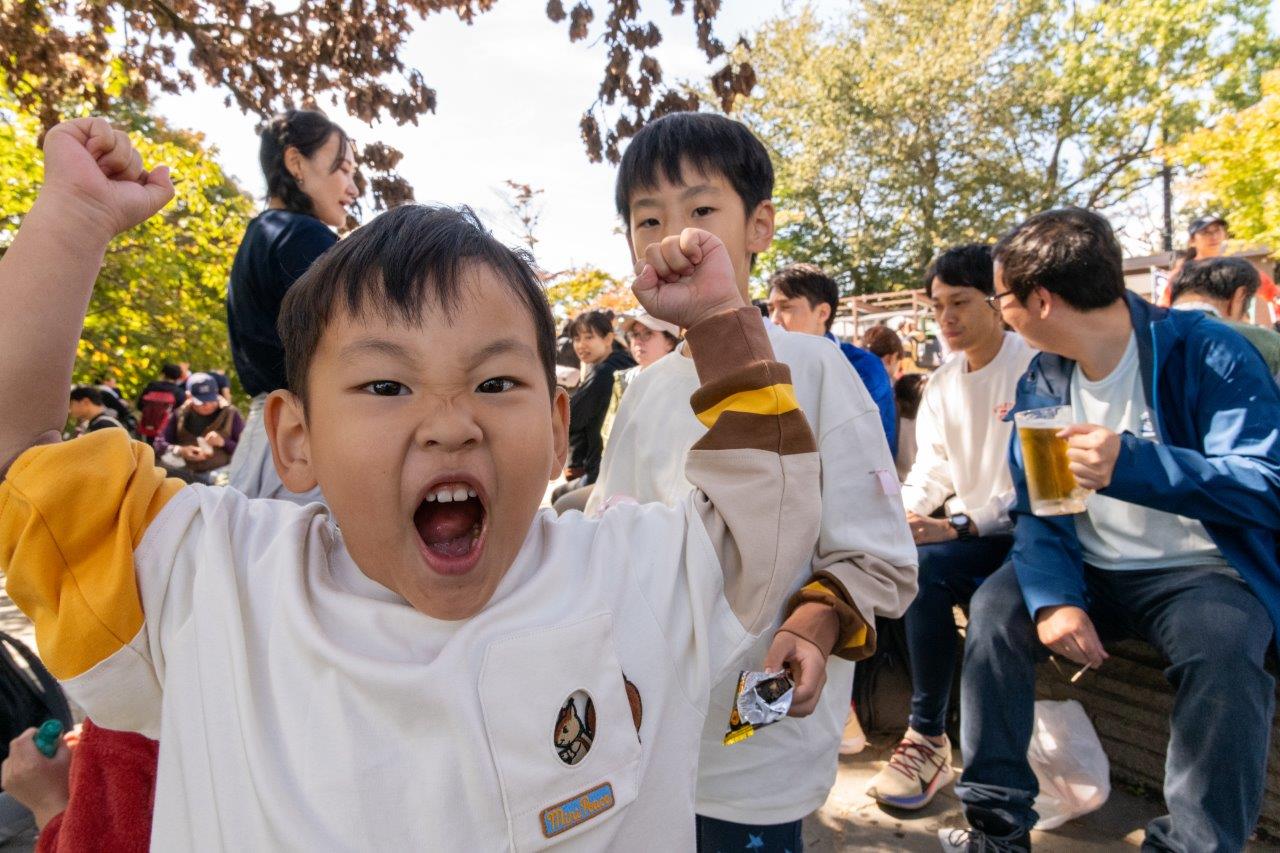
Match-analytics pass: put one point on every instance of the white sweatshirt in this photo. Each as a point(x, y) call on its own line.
point(785, 771)
point(963, 440)
point(302, 706)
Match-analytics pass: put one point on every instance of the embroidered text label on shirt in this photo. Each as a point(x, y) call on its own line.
point(565, 816)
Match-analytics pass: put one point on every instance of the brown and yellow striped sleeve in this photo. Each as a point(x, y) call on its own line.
point(756, 468)
point(856, 639)
point(746, 399)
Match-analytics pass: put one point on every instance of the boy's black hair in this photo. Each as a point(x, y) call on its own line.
point(880, 341)
point(810, 283)
point(709, 143)
point(87, 392)
point(600, 322)
point(908, 391)
point(963, 266)
point(1218, 278)
point(1070, 252)
point(407, 259)
point(307, 131)
point(171, 372)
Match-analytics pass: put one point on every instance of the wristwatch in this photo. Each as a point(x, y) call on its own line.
point(962, 525)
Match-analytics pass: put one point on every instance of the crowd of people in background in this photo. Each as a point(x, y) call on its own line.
point(925, 507)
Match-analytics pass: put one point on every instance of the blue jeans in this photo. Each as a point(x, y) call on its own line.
point(722, 836)
point(949, 573)
point(1215, 633)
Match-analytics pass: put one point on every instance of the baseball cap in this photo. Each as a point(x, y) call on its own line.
point(649, 321)
point(203, 387)
point(1204, 222)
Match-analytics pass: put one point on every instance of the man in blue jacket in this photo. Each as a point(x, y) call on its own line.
point(803, 298)
point(1178, 434)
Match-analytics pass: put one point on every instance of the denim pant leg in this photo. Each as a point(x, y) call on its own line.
point(997, 696)
point(949, 573)
point(1215, 633)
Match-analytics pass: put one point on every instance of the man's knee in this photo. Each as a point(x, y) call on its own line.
point(1223, 633)
point(936, 561)
point(998, 611)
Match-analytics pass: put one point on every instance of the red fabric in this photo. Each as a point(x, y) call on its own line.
point(1267, 291)
point(113, 788)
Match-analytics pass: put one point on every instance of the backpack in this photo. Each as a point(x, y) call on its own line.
point(29, 695)
point(156, 406)
point(882, 684)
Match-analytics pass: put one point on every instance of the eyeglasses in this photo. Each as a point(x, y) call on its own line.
point(994, 299)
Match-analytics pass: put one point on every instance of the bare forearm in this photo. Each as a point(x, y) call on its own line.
point(46, 279)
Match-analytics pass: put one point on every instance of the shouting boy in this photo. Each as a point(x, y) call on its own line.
point(431, 662)
point(692, 170)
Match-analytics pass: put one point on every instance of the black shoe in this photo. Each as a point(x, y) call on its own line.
point(977, 841)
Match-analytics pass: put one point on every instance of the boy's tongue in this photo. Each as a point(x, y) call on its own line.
point(447, 527)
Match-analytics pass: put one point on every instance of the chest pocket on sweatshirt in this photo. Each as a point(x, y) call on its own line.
point(567, 766)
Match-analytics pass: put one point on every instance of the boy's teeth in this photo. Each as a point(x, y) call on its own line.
point(449, 494)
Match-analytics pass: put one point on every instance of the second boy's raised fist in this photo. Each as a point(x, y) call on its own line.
point(686, 278)
point(96, 178)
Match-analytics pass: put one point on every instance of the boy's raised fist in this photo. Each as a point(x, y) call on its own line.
point(94, 173)
point(686, 278)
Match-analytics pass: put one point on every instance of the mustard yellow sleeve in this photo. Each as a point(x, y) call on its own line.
point(71, 515)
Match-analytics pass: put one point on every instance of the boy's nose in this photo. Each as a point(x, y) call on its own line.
point(449, 427)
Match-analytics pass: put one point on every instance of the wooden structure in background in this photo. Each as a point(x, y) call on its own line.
point(855, 314)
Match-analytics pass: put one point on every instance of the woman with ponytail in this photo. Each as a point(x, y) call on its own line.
point(309, 165)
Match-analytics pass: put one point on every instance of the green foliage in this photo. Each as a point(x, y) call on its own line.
point(909, 125)
point(588, 288)
point(160, 294)
point(1236, 166)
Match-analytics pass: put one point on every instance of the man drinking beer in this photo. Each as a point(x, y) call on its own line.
point(1177, 432)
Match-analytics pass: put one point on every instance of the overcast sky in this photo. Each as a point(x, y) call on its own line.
point(510, 89)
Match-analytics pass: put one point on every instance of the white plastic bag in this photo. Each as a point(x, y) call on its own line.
point(1067, 757)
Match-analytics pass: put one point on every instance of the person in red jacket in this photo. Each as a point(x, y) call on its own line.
point(95, 793)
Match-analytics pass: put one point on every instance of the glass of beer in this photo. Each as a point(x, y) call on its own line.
point(1050, 484)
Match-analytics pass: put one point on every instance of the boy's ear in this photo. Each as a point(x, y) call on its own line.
point(760, 227)
point(286, 425)
point(559, 431)
point(824, 312)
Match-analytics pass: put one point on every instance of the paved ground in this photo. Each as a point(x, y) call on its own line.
point(852, 821)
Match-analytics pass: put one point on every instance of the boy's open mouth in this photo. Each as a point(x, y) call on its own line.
point(451, 524)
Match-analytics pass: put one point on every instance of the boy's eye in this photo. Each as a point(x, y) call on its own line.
point(385, 388)
point(647, 223)
point(703, 211)
point(496, 385)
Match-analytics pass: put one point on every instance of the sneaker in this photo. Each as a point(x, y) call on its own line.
point(916, 771)
point(976, 841)
point(853, 740)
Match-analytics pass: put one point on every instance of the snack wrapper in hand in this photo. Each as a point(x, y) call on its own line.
point(761, 699)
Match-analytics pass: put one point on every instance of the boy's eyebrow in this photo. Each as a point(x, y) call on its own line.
point(503, 346)
point(376, 345)
point(687, 193)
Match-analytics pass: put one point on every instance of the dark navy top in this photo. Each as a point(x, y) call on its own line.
point(278, 247)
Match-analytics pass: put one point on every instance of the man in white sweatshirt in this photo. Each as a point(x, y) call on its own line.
point(961, 465)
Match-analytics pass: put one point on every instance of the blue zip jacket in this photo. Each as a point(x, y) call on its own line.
point(1217, 414)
